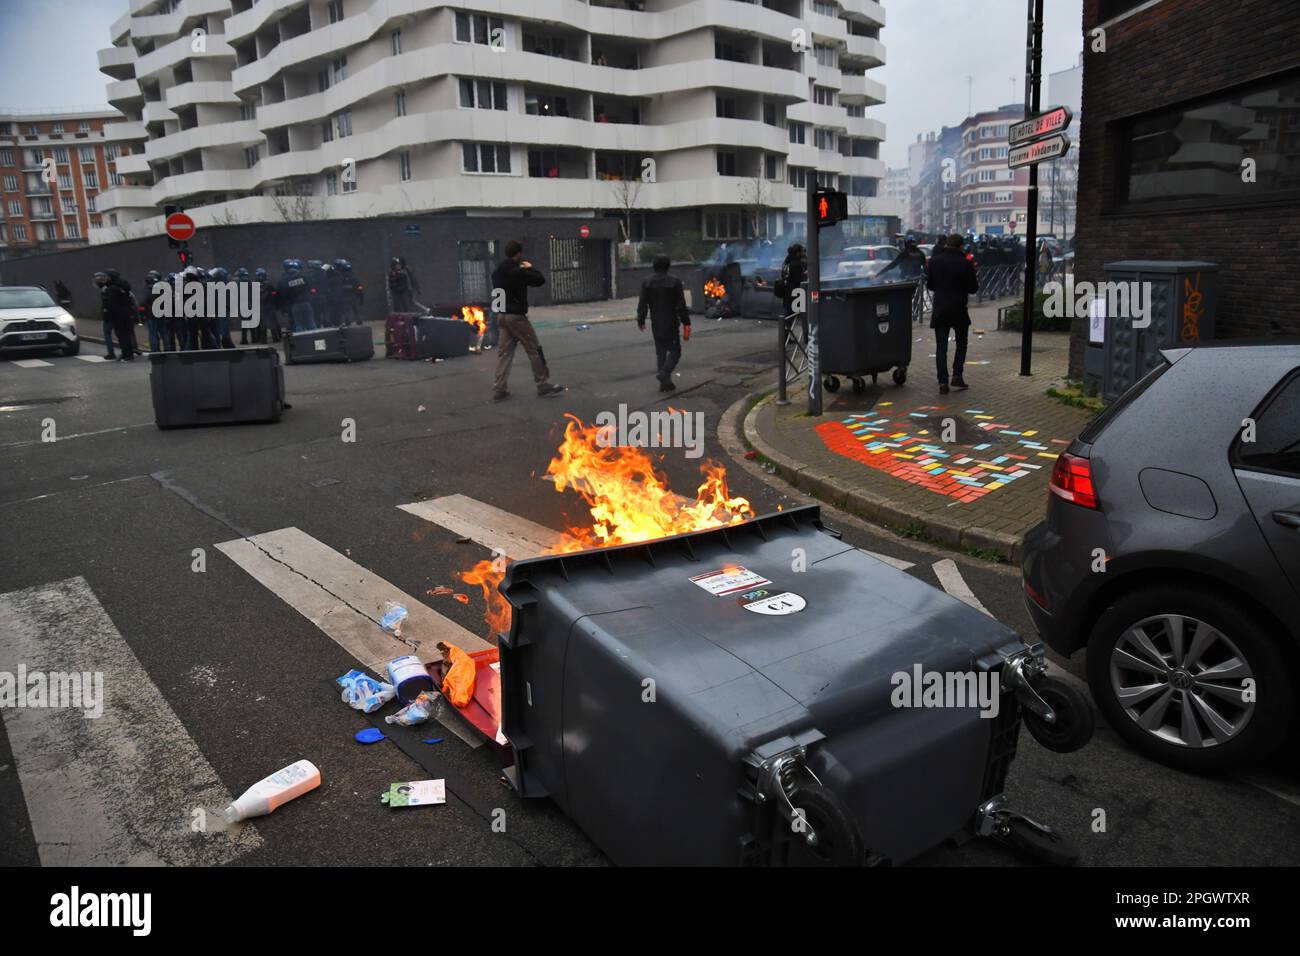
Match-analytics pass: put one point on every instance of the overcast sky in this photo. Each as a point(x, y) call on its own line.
point(47, 48)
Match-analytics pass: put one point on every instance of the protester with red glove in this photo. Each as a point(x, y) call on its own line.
point(664, 297)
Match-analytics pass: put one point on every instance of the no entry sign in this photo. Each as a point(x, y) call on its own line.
point(584, 232)
point(179, 227)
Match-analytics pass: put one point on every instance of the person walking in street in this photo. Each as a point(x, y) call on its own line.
point(513, 277)
point(951, 278)
point(402, 285)
point(664, 297)
point(117, 310)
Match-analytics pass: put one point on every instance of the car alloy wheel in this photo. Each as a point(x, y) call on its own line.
point(1182, 681)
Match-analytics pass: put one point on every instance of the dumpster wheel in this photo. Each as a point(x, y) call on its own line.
point(900, 375)
point(831, 383)
point(1073, 724)
point(831, 836)
point(860, 385)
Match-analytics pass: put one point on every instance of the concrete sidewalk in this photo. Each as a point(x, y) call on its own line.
point(543, 316)
point(968, 469)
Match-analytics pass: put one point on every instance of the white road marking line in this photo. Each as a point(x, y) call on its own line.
point(30, 363)
point(102, 431)
point(115, 790)
point(489, 526)
point(950, 577)
point(1255, 781)
point(346, 601)
point(898, 563)
point(92, 358)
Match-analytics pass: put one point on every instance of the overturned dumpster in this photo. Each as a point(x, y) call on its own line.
point(732, 697)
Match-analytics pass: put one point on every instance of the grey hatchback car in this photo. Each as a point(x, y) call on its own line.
point(1171, 552)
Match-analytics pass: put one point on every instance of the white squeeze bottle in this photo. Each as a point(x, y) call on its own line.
point(279, 788)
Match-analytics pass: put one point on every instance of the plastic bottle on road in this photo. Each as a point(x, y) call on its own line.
point(583, 327)
point(275, 791)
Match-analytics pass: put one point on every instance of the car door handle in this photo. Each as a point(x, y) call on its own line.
point(1288, 518)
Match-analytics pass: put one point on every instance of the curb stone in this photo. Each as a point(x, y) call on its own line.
point(735, 434)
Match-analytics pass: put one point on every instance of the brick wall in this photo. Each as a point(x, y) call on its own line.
point(367, 243)
point(1174, 51)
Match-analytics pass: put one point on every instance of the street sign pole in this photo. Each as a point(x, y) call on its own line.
point(1033, 85)
point(810, 301)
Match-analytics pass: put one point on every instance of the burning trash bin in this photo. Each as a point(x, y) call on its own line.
point(735, 696)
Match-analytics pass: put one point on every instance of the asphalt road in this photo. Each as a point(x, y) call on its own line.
point(123, 505)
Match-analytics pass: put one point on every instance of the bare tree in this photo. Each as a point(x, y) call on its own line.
point(297, 207)
point(626, 193)
point(226, 217)
point(755, 196)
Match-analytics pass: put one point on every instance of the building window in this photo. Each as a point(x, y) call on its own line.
point(69, 205)
point(61, 155)
point(343, 123)
point(798, 177)
point(478, 28)
point(726, 107)
point(248, 111)
point(327, 131)
point(15, 208)
point(92, 179)
point(825, 55)
point(545, 163)
point(769, 165)
point(86, 154)
point(331, 183)
point(724, 225)
point(823, 96)
point(90, 202)
point(7, 157)
point(96, 222)
point(83, 126)
point(485, 157)
point(799, 133)
point(2, 232)
point(824, 139)
point(404, 167)
point(336, 10)
point(545, 104)
point(71, 230)
point(726, 163)
point(35, 157)
point(395, 42)
point(11, 184)
point(57, 129)
point(251, 156)
point(33, 130)
point(482, 94)
point(20, 232)
point(110, 152)
point(340, 68)
point(1195, 153)
point(6, 129)
point(115, 179)
point(350, 183)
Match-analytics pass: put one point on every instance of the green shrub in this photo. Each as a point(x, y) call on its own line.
point(1015, 315)
point(689, 246)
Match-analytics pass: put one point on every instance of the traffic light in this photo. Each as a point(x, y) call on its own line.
point(831, 206)
point(184, 254)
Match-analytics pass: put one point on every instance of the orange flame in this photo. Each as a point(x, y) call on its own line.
point(714, 289)
point(474, 316)
point(629, 501)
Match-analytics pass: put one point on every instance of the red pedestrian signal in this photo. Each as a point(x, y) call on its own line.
point(831, 206)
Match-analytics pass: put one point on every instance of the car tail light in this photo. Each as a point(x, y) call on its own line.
point(1072, 481)
point(1035, 596)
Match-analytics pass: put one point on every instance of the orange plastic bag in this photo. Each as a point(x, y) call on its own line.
point(458, 684)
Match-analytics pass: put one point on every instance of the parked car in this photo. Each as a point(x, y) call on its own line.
point(865, 260)
point(30, 320)
point(1171, 552)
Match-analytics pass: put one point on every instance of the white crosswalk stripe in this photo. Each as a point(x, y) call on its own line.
point(496, 530)
point(92, 358)
point(121, 788)
point(950, 577)
point(346, 602)
point(30, 363)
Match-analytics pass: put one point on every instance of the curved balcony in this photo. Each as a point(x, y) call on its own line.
point(117, 62)
point(187, 94)
point(173, 24)
point(831, 117)
point(178, 51)
point(121, 27)
point(862, 90)
point(240, 26)
point(865, 127)
point(156, 112)
point(203, 181)
point(825, 29)
point(803, 154)
point(123, 91)
point(124, 197)
point(135, 164)
point(864, 51)
point(865, 11)
point(125, 131)
point(238, 133)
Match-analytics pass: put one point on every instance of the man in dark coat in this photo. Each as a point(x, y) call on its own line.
point(663, 296)
point(951, 278)
point(512, 278)
point(118, 310)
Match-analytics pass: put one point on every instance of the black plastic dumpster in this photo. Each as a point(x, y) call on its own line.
point(216, 386)
point(694, 700)
point(865, 330)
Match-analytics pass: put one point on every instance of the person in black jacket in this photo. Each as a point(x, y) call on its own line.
point(908, 264)
point(663, 296)
point(512, 278)
point(118, 310)
point(951, 278)
point(794, 273)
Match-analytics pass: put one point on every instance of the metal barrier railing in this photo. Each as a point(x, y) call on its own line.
point(995, 282)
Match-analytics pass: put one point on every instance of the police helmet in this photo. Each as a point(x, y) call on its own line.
point(343, 265)
point(259, 274)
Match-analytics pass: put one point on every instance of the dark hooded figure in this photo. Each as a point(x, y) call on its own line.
point(118, 307)
point(664, 298)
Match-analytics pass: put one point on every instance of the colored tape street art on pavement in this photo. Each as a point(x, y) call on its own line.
point(907, 445)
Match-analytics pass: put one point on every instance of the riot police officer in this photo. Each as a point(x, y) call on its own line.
point(351, 293)
point(294, 296)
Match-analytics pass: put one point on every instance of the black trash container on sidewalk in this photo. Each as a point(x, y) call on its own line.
point(216, 386)
point(685, 701)
point(865, 330)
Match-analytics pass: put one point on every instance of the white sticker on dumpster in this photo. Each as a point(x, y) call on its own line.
point(320, 345)
point(729, 580)
point(787, 602)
